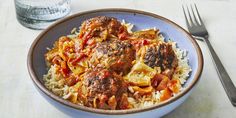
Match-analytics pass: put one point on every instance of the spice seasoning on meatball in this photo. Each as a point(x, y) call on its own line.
point(115, 55)
point(101, 85)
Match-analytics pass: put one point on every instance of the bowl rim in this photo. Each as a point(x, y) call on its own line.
point(56, 98)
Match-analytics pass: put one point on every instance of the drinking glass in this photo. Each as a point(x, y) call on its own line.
point(38, 14)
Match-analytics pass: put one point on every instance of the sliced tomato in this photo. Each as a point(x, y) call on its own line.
point(77, 59)
point(64, 69)
point(174, 85)
point(71, 80)
point(165, 94)
point(163, 84)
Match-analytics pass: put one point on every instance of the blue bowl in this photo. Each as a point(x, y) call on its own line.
point(141, 20)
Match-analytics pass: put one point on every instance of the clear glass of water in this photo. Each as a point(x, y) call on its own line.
point(38, 14)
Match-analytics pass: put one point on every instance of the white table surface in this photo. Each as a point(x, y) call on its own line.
point(19, 98)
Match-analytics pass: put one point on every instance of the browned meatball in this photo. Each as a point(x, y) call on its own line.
point(115, 55)
point(161, 55)
point(96, 26)
point(103, 85)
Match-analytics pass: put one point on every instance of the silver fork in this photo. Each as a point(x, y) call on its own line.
point(199, 31)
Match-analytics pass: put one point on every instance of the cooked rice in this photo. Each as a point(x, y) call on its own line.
point(55, 82)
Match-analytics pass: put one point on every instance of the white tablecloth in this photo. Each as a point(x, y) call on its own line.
point(19, 98)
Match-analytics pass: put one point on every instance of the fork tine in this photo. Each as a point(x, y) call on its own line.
point(199, 17)
point(188, 22)
point(190, 17)
point(194, 16)
point(186, 19)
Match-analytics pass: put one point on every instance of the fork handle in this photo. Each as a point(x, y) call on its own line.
point(224, 77)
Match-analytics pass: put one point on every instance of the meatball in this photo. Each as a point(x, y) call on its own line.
point(103, 85)
point(161, 55)
point(96, 26)
point(115, 55)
